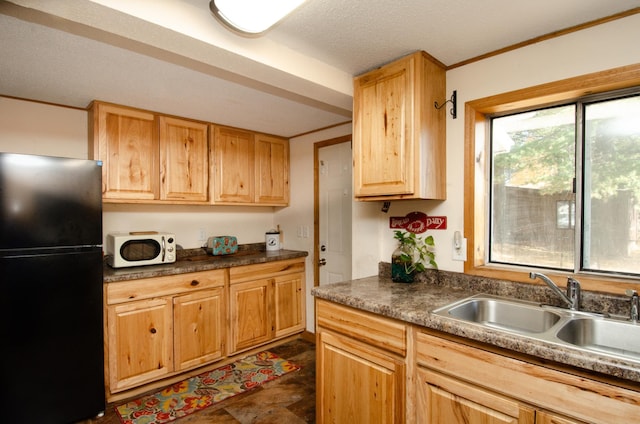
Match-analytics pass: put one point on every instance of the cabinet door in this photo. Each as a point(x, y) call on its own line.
point(271, 170)
point(126, 141)
point(184, 153)
point(140, 338)
point(199, 327)
point(251, 322)
point(233, 158)
point(443, 400)
point(543, 417)
point(383, 142)
point(357, 383)
point(288, 304)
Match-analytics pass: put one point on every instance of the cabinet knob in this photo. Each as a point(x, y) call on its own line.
point(153, 330)
point(195, 283)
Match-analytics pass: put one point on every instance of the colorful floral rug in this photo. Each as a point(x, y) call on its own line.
point(204, 390)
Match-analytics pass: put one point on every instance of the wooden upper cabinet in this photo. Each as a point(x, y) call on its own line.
point(126, 141)
point(233, 159)
point(249, 168)
point(398, 134)
point(153, 158)
point(271, 170)
point(149, 157)
point(184, 159)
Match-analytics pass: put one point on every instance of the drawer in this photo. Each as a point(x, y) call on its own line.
point(372, 329)
point(238, 274)
point(145, 288)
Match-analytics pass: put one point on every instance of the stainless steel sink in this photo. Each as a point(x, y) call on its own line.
point(504, 314)
point(602, 335)
point(588, 332)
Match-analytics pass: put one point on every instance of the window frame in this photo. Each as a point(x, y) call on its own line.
point(476, 187)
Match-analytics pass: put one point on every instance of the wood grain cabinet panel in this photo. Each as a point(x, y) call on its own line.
point(199, 328)
point(148, 157)
point(463, 369)
point(184, 159)
point(251, 314)
point(126, 141)
point(288, 304)
point(398, 135)
point(140, 340)
point(271, 170)
point(249, 168)
point(543, 417)
point(444, 400)
point(266, 302)
point(233, 156)
point(356, 381)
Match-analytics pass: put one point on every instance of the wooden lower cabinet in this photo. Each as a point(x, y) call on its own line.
point(444, 400)
point(360, 366)
point(199, 328)
point(357, 383)
point(458, 381)
point(140, 342)
point(288, 304)
point(373, 369)
point(266, 302)
point(163, 328)
point(543, 417)
point(250, 314)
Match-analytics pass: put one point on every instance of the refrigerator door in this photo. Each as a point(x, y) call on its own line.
point(51, 363)
point(49, 202)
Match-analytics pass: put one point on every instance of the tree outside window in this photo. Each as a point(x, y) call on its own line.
point(562, 169)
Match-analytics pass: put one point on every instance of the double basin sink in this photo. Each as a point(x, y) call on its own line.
point(589, 332)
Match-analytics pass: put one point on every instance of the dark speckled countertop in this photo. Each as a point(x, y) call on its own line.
point(195, 260)
point(414, 302)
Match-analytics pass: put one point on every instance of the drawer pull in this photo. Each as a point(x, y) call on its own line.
point(194, 283)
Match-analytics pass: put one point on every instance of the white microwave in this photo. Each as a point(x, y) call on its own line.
point(140, 248)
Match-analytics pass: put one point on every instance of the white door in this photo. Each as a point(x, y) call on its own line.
point(335, 200)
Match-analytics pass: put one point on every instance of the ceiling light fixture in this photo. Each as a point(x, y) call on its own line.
point(252, 17)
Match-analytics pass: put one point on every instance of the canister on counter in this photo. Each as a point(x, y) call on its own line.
point(272, 240)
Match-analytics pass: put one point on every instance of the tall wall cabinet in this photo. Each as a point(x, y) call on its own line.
point(398, 134)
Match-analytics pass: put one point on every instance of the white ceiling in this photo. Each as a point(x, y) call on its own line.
point(172, 56)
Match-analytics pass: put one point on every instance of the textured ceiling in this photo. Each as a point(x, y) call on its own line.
point(172, 56)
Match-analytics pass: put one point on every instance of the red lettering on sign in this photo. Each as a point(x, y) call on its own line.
point(418, 222)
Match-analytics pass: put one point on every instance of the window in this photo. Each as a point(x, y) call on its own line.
point(534, 184)
point(477, 160)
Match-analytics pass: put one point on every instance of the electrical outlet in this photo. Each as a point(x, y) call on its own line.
point(459, 247)
point(202, 235)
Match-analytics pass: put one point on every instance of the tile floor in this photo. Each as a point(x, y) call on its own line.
point(289, 399)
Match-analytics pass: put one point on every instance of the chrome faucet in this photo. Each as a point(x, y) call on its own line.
point(572, 298)
point(635, 304)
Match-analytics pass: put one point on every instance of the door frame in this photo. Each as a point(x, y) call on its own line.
point(316, 200)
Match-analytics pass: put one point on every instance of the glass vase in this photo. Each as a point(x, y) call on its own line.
point(399, 267)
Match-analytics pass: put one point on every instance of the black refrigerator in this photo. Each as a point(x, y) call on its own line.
point(51, 324)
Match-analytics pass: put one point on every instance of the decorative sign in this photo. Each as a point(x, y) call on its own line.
point(418, 222)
